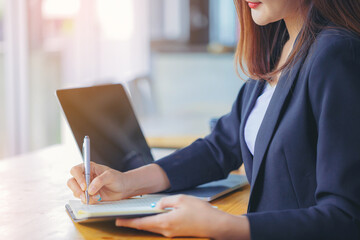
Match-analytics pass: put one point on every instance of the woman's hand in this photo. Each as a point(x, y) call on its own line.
point(109, 185)
point(106, 184)
point(191, 217)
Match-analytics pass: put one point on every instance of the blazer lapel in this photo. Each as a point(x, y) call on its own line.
point(271, 119)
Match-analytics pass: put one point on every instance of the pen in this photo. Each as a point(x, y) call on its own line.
point(86, 159)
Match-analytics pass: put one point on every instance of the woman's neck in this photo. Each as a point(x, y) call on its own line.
point(294, 24)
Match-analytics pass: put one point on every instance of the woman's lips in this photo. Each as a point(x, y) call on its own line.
point(253, 5)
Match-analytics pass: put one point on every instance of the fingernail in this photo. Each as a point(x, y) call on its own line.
point(97, 198)
point(91, 190)
point(83, 186)
point(82, 197)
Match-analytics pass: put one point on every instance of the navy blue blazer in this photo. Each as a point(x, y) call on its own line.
point(305, 173)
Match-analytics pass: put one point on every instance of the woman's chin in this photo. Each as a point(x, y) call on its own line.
point(261, 23)
point(261, 20)
point(258, 18)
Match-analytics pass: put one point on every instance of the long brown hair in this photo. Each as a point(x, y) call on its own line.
point(259, 47)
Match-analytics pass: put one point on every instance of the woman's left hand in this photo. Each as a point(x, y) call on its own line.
point(190, 217)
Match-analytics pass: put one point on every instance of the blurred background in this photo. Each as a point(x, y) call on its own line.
point(174, 56)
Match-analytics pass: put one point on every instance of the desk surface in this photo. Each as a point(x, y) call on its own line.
point(174, 142)
point(33, 193)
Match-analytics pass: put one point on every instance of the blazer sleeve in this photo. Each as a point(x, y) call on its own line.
point(208, 159)
point(334, 92)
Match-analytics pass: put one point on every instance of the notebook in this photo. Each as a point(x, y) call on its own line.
point(127, 208)
point(141, 206)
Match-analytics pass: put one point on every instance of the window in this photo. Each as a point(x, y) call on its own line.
point(52, 44)
point(2, 84)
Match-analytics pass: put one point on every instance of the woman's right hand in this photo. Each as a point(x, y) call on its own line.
point(106, 183)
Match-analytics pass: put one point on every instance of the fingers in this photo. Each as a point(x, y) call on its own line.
point(172, 201)
point(157, 224)
point(92, 200)
point(78, 183)
point(79, 193)
point(98, 169)
point(75, 188)
point(188, 218)
point(78, 173)
point(137, 223)
point(161, 223)
point(101, 180)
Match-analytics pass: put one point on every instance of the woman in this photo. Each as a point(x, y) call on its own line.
point(295, 125)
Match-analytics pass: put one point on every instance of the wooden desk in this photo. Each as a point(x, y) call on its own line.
point(33, 193)
point(171, 142)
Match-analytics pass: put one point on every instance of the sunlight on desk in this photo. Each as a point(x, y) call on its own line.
point(171, 142)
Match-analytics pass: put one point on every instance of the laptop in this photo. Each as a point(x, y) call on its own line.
point(105, 114)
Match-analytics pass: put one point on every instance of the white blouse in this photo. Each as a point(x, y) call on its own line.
point(256, 116)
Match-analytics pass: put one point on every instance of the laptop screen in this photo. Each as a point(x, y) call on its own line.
point(104, 113)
